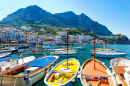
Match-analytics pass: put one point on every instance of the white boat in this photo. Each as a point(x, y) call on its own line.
point(27, 74)
point(92, 52)
point(61, 49)
point(100, 49)
point(15, 62)
point(4, 54)
point(47, 47)
point(80, 48)
point(110, 54)
point(50, 44)
point(121, 70)
point(8, 49)
point(64, 53)
point(61, 74)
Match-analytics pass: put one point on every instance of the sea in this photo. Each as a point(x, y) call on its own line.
point(84, 55)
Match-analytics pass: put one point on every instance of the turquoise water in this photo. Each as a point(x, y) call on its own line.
point(84, 55)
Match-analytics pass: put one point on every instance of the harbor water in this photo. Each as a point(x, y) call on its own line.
point(84, 55)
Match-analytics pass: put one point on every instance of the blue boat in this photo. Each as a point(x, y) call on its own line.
point(29, 73)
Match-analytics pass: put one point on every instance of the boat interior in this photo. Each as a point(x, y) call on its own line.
point(98, 76)
point(61, 74)
point(22, 70)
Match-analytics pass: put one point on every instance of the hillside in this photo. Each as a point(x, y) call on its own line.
point(36, 15)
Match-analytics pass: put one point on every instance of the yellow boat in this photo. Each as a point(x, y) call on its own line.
point(63, 73)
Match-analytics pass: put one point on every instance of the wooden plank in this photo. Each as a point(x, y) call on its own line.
point(50, 78)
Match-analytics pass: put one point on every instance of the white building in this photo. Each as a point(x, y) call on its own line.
point(63, 33)
point(81, 38)
point(58, 39)
point(32, 37)
point(42, 29)
point(88, 37)
point(12, 34)
point(26, 28)
point(42, 38)
point(71, 38)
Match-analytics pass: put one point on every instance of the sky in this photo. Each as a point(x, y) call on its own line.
point(114, 14)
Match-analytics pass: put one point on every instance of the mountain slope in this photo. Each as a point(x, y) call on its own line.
point(36, 15)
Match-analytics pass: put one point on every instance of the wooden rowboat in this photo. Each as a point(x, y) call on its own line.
point(121, 69)
point(95, 73)
point(27, 74)
point(61, 75)
point(98, 76)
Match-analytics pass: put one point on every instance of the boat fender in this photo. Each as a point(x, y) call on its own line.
point(110, 67)
point(30, 81)
point(47, 70)
point(120, 84)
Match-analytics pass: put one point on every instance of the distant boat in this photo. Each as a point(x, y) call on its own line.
point(47, 47)
point(110, 54)
point(92, 53)
point(50, 44)
point(98, 76)
point(28, 74)
point(60, 75)
point(64, 53)
point(4, 54)
point(23, 46)
point(95, 73)
point(8, 49)
point(121, 70)
point(80, 48)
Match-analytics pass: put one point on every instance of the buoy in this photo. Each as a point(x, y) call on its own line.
point(78, 76)
point(30, 81)
point(110, 66)
point(113, 73)
point(46, 70)
point(120, 84)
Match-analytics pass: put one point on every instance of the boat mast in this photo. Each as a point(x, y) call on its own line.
point(104, 44)
point(94, 51)
point(67, 50)
point(107, 46)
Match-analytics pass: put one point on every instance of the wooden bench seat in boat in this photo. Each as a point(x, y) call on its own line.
point(119, 69)
point(65, 77)
point(51, 76)
point(17, 70)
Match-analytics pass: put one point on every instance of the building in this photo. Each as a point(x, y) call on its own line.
point(71, 38)
point(62, 33)
point(41, 38)
point(32, 37)
point(88, 37)
point(58, 39)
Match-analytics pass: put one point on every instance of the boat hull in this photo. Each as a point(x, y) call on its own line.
point(24, 80)
point(93, 76)
point(122, 63)
point(67, 83)
point(74, 54)
point(109, 55)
